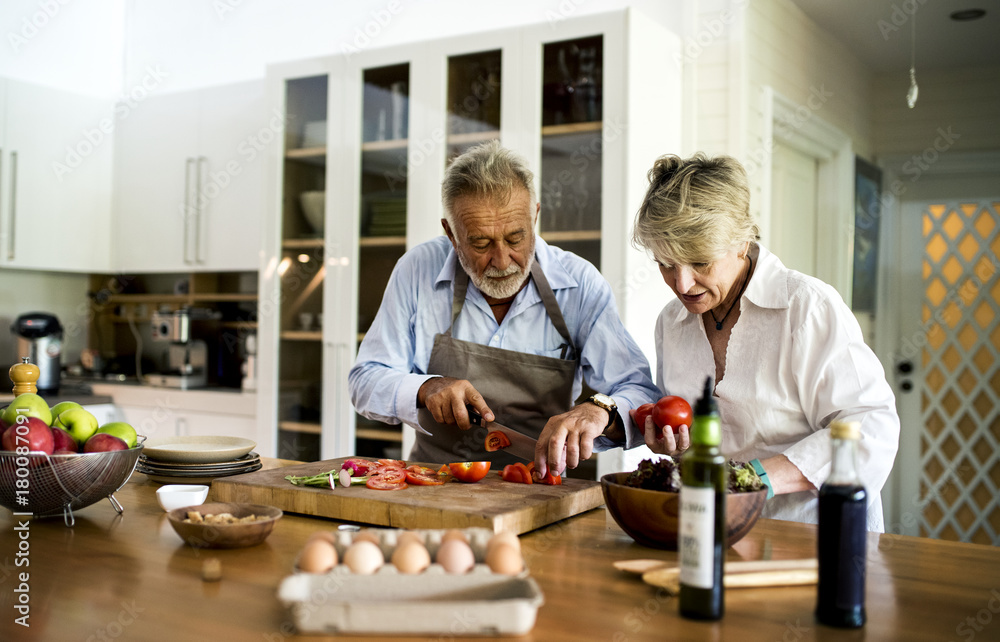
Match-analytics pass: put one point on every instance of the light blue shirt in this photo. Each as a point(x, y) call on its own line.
point(392, 360)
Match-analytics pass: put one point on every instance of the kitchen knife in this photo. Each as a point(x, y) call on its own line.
point(521, 446)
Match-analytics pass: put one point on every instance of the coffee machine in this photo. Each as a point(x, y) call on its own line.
point(184, 362)
point(39, 338)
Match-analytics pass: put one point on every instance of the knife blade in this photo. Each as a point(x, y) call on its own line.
point(521, 445)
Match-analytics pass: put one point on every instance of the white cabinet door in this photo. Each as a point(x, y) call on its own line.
point(234, 133)
point(156, 160)
point(151, 422)
point(56, 164)
point(191, 423)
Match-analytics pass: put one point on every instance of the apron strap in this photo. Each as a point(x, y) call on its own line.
point(544, 291)
point(552, 307)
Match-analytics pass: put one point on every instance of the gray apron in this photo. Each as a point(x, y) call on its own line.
point(523, 390)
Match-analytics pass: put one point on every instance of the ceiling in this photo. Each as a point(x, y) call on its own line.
point(879, 31)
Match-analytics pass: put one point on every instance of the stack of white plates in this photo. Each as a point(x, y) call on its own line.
point(197, 459)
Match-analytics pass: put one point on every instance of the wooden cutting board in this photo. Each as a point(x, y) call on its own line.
point(489, 503)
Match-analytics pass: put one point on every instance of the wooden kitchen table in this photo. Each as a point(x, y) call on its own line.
point(130, 577)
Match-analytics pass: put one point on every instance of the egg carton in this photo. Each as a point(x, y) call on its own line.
point(433, 602)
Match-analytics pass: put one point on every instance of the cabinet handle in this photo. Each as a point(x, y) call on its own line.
point(198, 212)
point(187, 208)
point(13, 205)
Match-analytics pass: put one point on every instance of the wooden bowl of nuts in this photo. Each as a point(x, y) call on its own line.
point(224, 525)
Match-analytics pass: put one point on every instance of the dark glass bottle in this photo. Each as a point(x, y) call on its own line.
point(702, 538)
point(843, 506)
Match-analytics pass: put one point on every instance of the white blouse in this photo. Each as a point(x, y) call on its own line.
point(796, 360)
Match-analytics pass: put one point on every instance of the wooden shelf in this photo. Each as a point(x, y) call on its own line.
point(302, 335)
point(242, 325)
point(473, 137)
point(379, 434)
point(301, 244)
point(572, 128)
point(306, 153)
point(573, 235)
point(203, 297)
point(383, 241)
point(384, 145)
point(301, 426)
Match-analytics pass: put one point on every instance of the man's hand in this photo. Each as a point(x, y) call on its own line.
point(446, 398)
point(668, 444)
point(568, 439)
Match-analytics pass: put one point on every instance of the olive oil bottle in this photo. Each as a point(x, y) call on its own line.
point(702, 541)
point(843, 507)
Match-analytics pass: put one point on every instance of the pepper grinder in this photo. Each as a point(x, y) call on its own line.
point(25, 376)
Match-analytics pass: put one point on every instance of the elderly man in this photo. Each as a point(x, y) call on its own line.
point(492, 318)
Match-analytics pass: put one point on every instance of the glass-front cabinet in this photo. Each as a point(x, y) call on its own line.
point(300, 270)
point(367, 138)
point(382, 217)
point(572, 145)
point(473, 105)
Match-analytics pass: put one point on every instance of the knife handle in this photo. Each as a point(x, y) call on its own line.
point(475, 418)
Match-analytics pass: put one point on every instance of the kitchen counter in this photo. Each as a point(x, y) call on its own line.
point(130, 577)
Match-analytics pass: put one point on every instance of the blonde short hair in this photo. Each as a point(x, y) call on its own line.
point(695, 209)
point(487, 170)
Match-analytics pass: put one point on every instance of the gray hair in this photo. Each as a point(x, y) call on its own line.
point(487, 170)
point(695, 209)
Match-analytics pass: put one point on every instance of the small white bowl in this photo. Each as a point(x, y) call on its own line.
point(174, 496)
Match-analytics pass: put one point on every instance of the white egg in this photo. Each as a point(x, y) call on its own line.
point(364, 558)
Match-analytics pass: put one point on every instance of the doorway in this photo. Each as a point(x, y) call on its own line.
point(948, 369)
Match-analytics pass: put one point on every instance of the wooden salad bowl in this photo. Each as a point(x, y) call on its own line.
point(651, 517)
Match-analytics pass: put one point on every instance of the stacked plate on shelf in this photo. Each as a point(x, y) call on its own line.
point(386, 217)
point(197, 459)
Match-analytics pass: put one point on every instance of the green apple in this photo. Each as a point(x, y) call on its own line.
point(29, 405)
point(61, 406)
point(79, 423)
point(122, 430)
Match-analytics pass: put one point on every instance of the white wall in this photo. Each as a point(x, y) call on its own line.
point(76, 46)
point(202, 43)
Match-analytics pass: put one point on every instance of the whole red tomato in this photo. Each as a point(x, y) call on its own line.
point(469, 471)
point(672, 411)
point(641, 413)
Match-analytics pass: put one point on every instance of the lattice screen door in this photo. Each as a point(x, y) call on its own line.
point(960, 391)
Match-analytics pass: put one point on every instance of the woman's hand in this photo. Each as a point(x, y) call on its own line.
point(668, 443)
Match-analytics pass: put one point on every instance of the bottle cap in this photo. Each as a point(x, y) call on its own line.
point(845, 430)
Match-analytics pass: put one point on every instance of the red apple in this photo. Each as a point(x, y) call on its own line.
point(103, 442)
point(63, 441)
point(33, 433)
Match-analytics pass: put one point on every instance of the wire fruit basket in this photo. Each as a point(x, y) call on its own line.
point(48, 485)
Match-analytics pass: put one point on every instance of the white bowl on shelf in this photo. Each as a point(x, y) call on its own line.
point(174, 496)
point(314, 208)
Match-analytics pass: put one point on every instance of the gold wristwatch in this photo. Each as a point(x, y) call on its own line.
point(606, 402)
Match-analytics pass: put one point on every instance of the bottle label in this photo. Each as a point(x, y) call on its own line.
point(696, 543)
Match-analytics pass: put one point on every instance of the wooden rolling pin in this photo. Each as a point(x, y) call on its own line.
point(738, 574)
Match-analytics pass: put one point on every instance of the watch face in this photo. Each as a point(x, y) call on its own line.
point(604, 400)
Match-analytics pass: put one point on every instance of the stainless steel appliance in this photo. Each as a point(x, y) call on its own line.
point(184, 362)
point(39, 338)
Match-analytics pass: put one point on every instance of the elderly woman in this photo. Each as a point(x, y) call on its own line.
point(786, 353)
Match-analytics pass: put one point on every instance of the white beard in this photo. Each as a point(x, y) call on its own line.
point(498, 289)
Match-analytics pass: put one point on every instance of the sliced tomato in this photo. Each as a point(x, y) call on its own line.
point(496, 440)
point(359, 467)
point(469, 471)
point(397, 463)
point(524, 471)
point(423, 479)
point(381, 482)
point(511, 474)
point(421, 470)
point(392, 475)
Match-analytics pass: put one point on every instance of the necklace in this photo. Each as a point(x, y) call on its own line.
point(746, 279)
